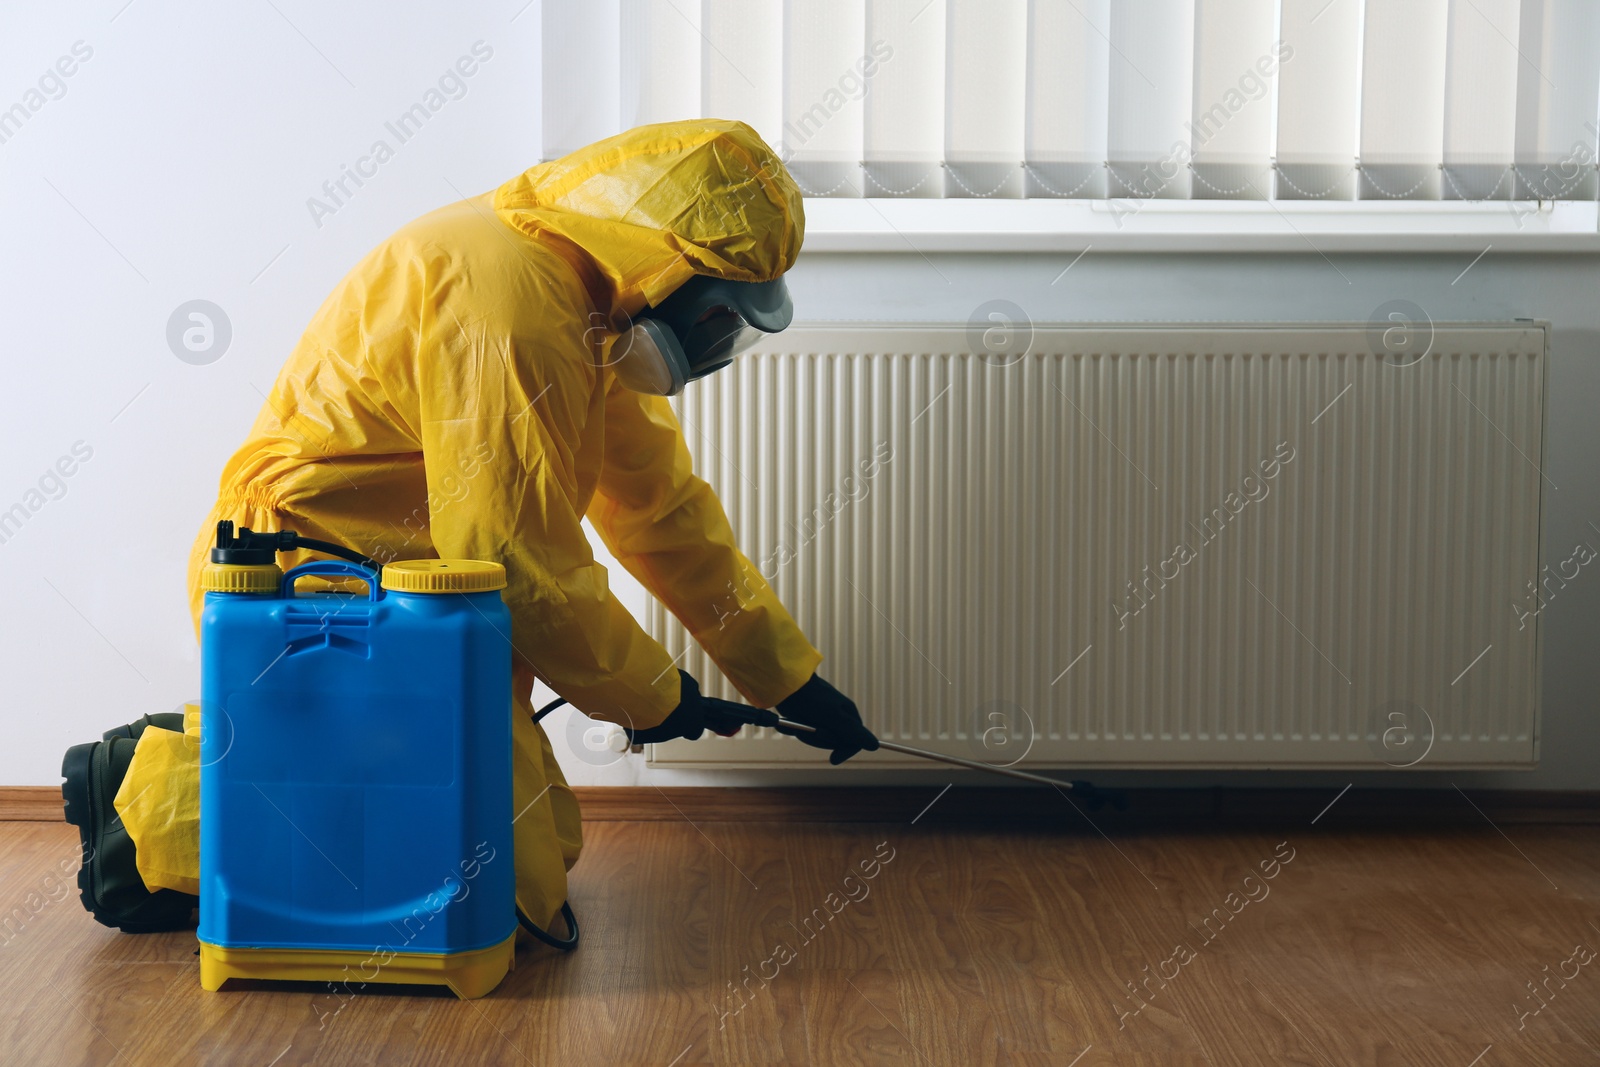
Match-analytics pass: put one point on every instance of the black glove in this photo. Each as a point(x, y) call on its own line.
point(837, 722)
point(694, 715)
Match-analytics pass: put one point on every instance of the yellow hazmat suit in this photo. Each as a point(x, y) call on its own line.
point(451, 398)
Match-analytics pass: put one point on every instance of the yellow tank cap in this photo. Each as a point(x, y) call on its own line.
point(444, 576)
point(237, 578)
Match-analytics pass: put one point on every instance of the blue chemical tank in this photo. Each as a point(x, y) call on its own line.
point(355, 782)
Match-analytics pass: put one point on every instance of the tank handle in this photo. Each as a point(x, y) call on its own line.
point(331, 568)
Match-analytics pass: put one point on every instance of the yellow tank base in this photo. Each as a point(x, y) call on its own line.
point(468, 974)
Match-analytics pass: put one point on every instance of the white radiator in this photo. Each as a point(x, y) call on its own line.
point(1184, 546)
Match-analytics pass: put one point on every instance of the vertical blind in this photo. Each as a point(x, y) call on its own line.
point(1173, 99)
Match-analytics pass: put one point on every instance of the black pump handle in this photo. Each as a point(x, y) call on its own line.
point(257, 548)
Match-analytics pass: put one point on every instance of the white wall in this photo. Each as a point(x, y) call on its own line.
point(176, 164)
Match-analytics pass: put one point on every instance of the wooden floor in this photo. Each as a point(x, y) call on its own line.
point(967, 947)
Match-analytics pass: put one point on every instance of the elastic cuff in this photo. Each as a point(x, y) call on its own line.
point(771, 691)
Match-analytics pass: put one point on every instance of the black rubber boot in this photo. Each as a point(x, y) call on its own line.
point(108, 882)
point(166, 720)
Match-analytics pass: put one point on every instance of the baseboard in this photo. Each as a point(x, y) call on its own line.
point(1033, 809)
point(30, 803)
point(1006, 808)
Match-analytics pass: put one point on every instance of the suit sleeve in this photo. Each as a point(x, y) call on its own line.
point(667, 527)
point(500, 412)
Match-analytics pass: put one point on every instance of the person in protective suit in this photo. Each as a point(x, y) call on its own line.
point(483, 380)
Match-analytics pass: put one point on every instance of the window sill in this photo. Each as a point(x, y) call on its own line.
point(927, 226)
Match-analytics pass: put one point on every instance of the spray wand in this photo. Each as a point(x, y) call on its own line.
point(732, 712)
point(762, 717)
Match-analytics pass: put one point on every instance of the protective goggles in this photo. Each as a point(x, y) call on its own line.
point(703, 326)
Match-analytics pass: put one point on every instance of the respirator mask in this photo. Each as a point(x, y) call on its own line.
point(701, 327)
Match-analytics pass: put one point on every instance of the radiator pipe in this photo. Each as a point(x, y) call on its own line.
point(923, 753)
